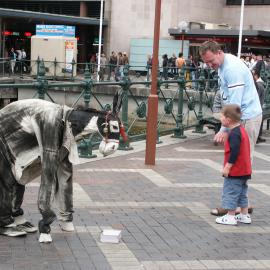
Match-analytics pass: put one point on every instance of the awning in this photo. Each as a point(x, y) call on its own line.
point(218, 33)
point(256, 47)
point(48, 17)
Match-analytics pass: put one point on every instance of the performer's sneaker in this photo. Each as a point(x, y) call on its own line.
point(27, 227)
point(12, 230)
point(24, 225)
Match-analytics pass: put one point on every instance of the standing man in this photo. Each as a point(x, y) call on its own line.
point(12, 57)
point(180, 62)
point(261, 92)
point(236, 87)
point(24, 66)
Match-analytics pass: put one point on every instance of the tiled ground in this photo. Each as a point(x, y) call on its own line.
point(162, 210)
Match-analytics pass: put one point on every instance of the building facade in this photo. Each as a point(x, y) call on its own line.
point(18, 20)
point(135, 18)
point(124, 20)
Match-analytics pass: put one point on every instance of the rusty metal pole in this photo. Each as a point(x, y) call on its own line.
point(151, 129)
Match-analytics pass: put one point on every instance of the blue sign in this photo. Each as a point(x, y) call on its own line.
point(55, 30)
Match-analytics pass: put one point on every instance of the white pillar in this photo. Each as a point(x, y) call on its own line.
point(100, 38)
point(241, 29)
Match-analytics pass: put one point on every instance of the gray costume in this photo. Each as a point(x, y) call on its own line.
point(36, 139)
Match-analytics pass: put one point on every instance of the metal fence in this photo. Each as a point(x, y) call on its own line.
point(185, 97)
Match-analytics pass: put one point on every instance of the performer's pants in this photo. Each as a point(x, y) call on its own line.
point(64, 195)
point(11, 192)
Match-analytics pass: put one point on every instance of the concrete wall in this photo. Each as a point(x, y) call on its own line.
point(255, 17)
point(135, 18)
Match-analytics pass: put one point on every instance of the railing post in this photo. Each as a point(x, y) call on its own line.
point(38, 64)
point(199, 126)
point(54, 68)
point(148, 74)
point(42, 83)
point(73, 63)
point(125, 87)
point(88, 86)
point(85, 146)
point(179, 130)
point(165, 76)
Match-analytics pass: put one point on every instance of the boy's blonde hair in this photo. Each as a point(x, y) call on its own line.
point(232, 111)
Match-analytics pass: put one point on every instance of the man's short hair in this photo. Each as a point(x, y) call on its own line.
point(232, 111)
point(211, 46)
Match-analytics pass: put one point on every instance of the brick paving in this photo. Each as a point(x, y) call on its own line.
point(162, 210)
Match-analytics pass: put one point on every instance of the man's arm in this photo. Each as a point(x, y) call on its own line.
point(236, 86)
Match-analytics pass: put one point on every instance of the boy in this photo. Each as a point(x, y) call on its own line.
point(237, 167)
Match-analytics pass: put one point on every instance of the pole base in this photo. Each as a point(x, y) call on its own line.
point(179, 133)
point(199, 130)
point(87, 156)
point(125, 147)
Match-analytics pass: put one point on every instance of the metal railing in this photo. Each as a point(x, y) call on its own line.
point(183, 100)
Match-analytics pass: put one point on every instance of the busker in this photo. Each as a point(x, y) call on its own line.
point(39, 138)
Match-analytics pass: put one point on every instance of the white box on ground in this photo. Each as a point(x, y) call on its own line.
point(110, 236)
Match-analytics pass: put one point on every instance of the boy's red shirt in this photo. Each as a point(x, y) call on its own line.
point(242, 165)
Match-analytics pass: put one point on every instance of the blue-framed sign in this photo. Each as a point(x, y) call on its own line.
point(55, 30)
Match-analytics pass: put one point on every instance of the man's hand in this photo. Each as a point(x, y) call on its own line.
point(221, 137)
point(226, 169)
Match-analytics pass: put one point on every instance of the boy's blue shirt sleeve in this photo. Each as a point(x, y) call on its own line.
point(235, 143)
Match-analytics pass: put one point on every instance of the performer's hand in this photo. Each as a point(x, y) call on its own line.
point(220, 137)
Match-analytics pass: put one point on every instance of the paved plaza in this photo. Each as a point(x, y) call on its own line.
point(162, 210)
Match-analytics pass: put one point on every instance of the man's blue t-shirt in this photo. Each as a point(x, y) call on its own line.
point(237, 86)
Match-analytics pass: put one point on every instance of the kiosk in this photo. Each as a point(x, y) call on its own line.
point(56, 45)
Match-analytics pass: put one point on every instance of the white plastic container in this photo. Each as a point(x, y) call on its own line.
point(110, 236)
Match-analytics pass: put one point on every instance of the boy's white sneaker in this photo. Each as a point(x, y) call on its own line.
point(243, 218)
point(227, 220)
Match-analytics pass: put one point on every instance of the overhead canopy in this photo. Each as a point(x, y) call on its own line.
point(219, 32)
point(48, 17)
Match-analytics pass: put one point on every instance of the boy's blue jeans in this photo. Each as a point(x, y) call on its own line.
point(234, 193)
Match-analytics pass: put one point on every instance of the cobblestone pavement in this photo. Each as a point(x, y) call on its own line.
point(162, 210)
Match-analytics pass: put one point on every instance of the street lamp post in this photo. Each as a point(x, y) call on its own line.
point(100, 38)
point(151, 128)
point(241, 29)
point(183, 35)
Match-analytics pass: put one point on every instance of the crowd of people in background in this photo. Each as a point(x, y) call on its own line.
point(256, 62)
point(170, 66)
point(114, 64)
point(17, 60)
